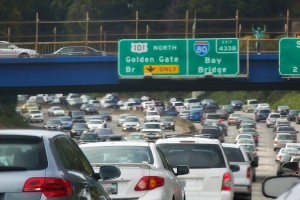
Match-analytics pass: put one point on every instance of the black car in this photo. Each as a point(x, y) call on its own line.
point(291, 116)
point(213, 132)
point(103, 134)
point(167, 123)
point(77, 51)
point(237, 104)
point(283, 110)
point(88, 137)
point(77, 116)
point(88, 109)
point(78, 129)
point(262, 114)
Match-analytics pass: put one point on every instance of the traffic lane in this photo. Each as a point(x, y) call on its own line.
point(265, 152)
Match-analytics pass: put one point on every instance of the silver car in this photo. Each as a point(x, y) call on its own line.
point(38, 164)
point(12, 51)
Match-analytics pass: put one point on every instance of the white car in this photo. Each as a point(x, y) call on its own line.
point(152, 116)
point(271, 119)
point(152, 130)
point(34, 116)
point(56, 111)
point(12, 51)
point(179, 106)
point(96, 124)
point(131, 123)
point(244, 177)
point(121, 119)
point(145, 172)
point(211, 176)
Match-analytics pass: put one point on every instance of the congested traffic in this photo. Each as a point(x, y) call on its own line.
point(182, 148)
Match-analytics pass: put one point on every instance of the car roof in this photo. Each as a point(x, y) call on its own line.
point(31, 132)
point(231, 145)
point(184, 140)
point(116, 143)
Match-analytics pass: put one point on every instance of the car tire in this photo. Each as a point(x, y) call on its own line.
point(254, 178)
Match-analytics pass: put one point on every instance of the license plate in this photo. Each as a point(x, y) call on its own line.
point(111, 188)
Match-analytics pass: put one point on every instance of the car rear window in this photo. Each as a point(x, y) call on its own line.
point(20, 153)
point(234, 154)
point(118, 154)
point(194, 155)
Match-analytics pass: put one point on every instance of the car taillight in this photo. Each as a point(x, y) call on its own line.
point(248, 173)
point(50, 187)
point(149, 183)
point(226, 183)
point(279, 157)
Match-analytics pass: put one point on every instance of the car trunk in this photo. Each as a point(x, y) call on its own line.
point(123, 187)
point(206, 183)
point(11, 188)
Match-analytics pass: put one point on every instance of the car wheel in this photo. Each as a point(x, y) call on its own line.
point(24, 55)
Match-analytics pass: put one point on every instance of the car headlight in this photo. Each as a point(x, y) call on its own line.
point(138, 125)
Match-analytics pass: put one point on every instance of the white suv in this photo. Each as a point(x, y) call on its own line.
point(271, 119)
point(211, 176)
point(244, 177)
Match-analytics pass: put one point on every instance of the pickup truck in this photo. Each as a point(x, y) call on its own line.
point(249, 105)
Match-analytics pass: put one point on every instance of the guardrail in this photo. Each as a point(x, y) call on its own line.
point(247, 46)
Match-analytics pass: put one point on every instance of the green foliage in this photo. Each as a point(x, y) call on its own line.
point(8, 116)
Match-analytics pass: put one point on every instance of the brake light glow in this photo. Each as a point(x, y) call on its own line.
point(50, 187)
point(226, 183)
point(248, 173)
point(149, 183)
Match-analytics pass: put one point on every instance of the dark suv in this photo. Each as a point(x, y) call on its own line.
point(262, 115)
point(212, 132)
point(37, 164)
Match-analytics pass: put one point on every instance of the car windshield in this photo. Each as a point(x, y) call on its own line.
point(103, 131)
point(88, 136)
point(194, 155)
point(118, 154)
point(65, 119)
point(166, 119)
point(151, 126)
point(285, 137)
point(131, 119)
point(80, 126)
point(53, 121)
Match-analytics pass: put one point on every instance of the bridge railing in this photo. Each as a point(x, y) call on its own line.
point(247, 46)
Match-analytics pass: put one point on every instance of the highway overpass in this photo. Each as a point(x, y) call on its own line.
point(100, 74)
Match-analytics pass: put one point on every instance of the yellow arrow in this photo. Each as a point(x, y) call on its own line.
point(161, 69)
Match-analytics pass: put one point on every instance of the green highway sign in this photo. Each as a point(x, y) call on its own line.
point(178, 57)
point(289, 59)
point(218, 57)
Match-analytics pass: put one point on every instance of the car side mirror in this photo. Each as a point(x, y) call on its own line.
point(235, 168)
point(290, 167)
point(182, 170)
point(107, 172)
point(254, 163)
point(273, 187)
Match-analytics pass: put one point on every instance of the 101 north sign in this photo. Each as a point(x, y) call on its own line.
point(178, 57)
